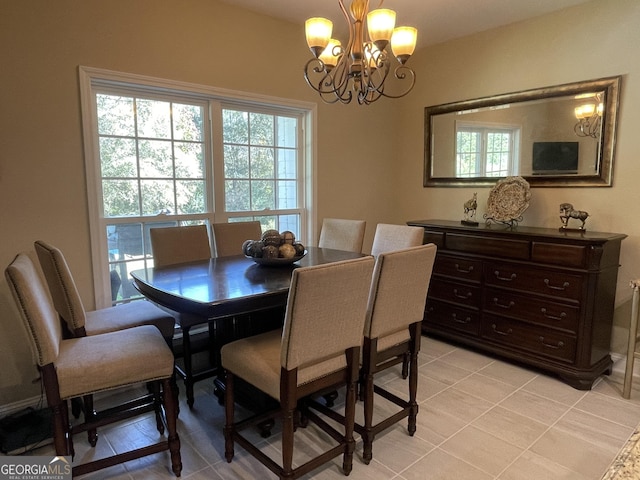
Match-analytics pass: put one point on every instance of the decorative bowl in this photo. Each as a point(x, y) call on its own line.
point(276, 262)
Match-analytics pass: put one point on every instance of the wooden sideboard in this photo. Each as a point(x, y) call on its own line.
point(539, 296)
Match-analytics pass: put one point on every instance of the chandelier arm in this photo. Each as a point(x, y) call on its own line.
point(400, 74)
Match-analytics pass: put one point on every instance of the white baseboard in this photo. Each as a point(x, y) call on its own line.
point(34, 402)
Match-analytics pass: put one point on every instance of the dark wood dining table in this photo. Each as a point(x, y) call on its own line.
point(219, 290)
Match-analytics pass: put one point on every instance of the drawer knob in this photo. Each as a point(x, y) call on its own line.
point(462, 295)
point(510, 278)
point(503, 305)
point(460, 320)
point(552, 317)
point(564, 286)
point(463, 270)
point(500, 332)
point(560, 344)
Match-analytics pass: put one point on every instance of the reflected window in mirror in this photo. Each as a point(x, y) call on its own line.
point(552, 136)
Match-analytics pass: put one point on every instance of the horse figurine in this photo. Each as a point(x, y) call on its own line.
point(470, 207)
point(567, 212)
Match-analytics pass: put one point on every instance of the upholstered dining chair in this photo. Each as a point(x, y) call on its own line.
point(317, 349)
point(82, 366)
point(229, 237)
point(632, 353)
point(187, 243)
point(391, 333)
point(78, 322)
point(342, 234)
point(390, 237)
point(182, 244)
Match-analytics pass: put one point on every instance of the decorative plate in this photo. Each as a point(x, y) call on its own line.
point(276, 262)
point(508, 200)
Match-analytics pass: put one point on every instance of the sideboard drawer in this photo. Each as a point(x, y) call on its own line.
point(452, 317)
point(460, 293)
point(514, 334)
point(556, 254)
point(530, 308)
point(458, 267)
point(507, 248)
point(556, 283)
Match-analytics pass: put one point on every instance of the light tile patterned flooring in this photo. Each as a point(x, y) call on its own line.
point(480, 418)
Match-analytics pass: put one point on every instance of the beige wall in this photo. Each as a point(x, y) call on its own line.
point(374, 172)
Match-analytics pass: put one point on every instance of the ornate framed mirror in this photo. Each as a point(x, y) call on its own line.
point(559, 136)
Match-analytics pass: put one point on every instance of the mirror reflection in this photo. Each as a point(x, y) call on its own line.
point(559, 135)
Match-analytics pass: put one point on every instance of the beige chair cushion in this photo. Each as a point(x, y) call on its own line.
point(229, 237)
point(398, 291)
point(103, 362)
point(171, 245)
point(342, 234)
point(28, 290)
point(324, 317)
point(127, 315)
point(395, 237)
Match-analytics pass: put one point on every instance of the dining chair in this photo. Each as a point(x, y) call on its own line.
point(81, 366)
point(342, 234)
point(632, 353)
point(171, 245)
point(317, 349)
point(229, 237)
point(182, 244)
point(395, 237)
point(391, 333)
point(78, 322)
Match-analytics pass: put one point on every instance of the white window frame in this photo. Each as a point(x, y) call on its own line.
point(93, 78)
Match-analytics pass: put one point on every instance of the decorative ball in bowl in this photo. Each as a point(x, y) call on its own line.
point(274, 249)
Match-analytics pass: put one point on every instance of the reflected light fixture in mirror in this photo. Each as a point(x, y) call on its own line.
point(589, 115)
point(362, 67)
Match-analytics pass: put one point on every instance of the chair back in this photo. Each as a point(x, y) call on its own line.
point(171, 245)
point(325, 314)
point(62, 287)
point(342, 234)
point(39, 317)
point(399, 290)
point(229, 237)
point(395, 237)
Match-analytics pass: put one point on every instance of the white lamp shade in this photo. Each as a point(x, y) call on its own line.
point(403, 42)
point(380, 23)
point(318, 32)
point(331, 53)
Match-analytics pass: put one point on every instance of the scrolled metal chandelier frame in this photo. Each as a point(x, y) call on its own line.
point(589, 117)
point(363, 68)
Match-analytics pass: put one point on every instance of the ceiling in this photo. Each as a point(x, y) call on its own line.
point(437, 20)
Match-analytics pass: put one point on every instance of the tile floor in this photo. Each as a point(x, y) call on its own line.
point(480, 418)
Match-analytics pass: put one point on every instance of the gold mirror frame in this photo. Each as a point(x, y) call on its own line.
point(604, 174)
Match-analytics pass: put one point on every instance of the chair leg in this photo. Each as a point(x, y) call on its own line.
point(61, 431)
point(413, 390)
point(89, 415)
point(157, 406)
point(367, 434)
point(350, 413)
point(288, 427)
point(405, 366)
point(188, 367)
point(171, 414)
point(229, 417)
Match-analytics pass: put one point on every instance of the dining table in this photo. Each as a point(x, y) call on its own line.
point(220, 291)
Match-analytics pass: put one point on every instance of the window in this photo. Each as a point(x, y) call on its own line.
point(486, 150)
point(159, 157)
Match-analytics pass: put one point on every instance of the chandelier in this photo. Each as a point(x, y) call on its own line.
point(363, 66)
point(589, 117)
